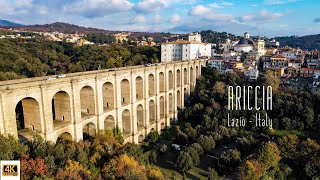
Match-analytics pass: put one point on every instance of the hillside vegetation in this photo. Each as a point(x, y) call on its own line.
point(21, 58)
point(310, 42)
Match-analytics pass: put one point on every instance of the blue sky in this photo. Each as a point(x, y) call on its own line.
point(259, 17)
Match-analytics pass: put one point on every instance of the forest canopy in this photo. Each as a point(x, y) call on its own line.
point(21, 58)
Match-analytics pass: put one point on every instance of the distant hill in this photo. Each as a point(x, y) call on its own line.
point(64, 28)
point(72, 28)
point(309, 42)
point(9, 23)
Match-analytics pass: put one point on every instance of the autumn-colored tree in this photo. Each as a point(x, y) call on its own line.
point(124, 167)
point(269, 155)
point(220, 87)
point(310, 147)
point(32, 167)
point(251, 170)
point(74, 171)
point(288, 146)
point(155, 174)
point(272, 80)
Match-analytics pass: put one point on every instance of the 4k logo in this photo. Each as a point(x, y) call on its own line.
point(10, 170)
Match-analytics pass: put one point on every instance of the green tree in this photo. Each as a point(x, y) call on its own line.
point(163, 149)
point(212, 174)
point(312, 167)
point(184, 162)
point(181, 138)
point(194, 155)
point(10, 148)
point(153, 137)
point(207, 143)
point(230, 159)
point(118, 134)
point(153, 157)
point(198, 148)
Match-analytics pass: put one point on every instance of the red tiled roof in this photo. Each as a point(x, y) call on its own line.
point(278, 56)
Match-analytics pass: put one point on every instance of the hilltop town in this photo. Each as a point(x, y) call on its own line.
point(247, 57)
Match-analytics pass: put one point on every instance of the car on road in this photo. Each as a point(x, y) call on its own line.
point(61, 76)
point(176, 146)
point(50, 78)
point(148, 65)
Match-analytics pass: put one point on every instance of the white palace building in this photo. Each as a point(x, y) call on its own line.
point(185, 50)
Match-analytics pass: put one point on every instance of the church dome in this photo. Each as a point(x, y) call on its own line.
point(243, 41)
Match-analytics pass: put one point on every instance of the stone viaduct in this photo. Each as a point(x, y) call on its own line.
point(137, 99)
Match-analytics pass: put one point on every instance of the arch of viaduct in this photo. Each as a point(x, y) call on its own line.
point(137, 99)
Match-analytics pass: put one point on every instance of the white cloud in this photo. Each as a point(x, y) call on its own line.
point(157, 18)
point(226, 3)
point(43, 10)
point(274, 2)
point(175, 18)
point(208, 13)
point(23, 3)
point(150, 5)
point(140, 19)
point(98, 8)
point(220, 4)
point(262, 16)
point(199, 10)
point(215, 5)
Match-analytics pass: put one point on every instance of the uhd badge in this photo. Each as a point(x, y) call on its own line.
point(10, 170)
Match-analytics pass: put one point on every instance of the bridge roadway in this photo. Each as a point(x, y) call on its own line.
point(137, 99)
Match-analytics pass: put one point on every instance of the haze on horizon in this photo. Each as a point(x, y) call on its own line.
point(259, 17)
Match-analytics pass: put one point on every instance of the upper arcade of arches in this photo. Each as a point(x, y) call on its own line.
point(185, 76)
point(178, 77)
point(108, 96)
point(151, 85)
point(125, 92)
point(162, 86)
point(171, 80)
point(87, 102)
point(139, 88)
